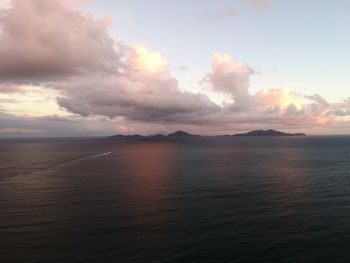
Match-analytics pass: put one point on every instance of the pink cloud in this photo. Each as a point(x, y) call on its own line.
point(230, 77)
point(42, 38)
point(281, 98)
point(8, 89)
point(145, 91)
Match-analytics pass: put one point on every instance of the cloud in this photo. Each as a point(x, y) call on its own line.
point(28, 100)
point(5, 3)
point(341, 109)
point(98, 77)
point(53, 126)
point(40, 39)
point(145, 91)
point(318, 99)
point(13, 89)
point(230, 77)
point(57, 60)
point(282, 98)
point(274, 106)
point(8, 89)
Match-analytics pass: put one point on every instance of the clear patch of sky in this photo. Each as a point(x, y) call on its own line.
point(298, 44)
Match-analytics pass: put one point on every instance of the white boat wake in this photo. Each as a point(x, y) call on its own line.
point(100, 154)
point(54, 167)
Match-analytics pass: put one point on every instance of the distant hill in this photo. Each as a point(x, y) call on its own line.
point(185, 134)
point(181, 134)
point(125, 136)
point(157, 136)
point(174, 134)
point(269, 133)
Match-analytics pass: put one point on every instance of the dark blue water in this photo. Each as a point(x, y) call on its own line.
point(179, 200)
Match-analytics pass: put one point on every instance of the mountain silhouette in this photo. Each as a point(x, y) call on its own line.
point(125, 136)
point(180, 134)
point(269, 133)
point(186, 134)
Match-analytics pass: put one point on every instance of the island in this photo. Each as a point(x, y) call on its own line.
point(181, 134)
point(171, 135)
point(269, 133)
point(126, 136)
point(157, 136)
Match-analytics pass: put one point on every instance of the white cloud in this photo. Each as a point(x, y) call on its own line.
point(230, 77)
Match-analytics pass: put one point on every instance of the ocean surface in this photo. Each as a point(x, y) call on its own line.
point(227, 199)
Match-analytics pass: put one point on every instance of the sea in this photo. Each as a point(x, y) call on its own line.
point(191, 199)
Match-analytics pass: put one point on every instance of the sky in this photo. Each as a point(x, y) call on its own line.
point(102, 67)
